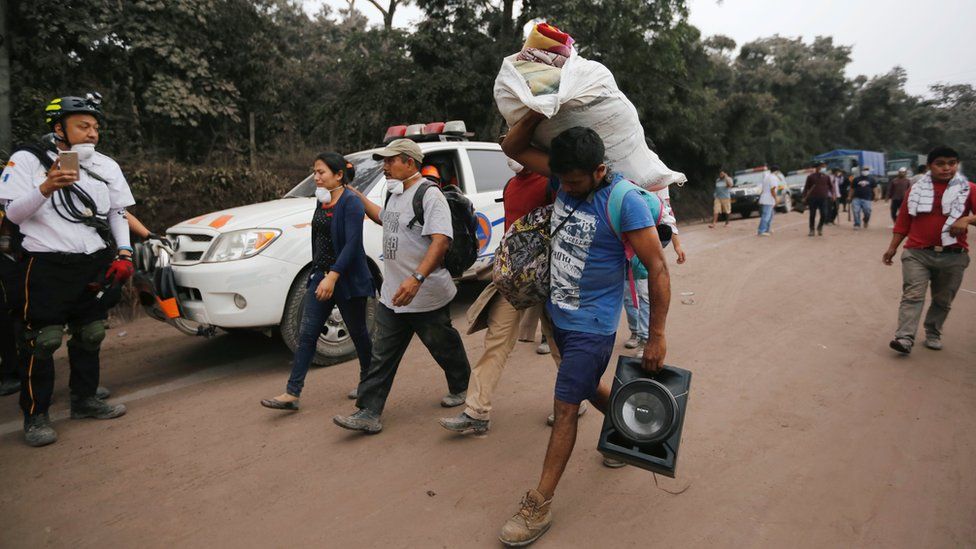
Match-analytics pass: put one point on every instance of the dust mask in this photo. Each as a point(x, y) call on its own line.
point(322, 194)
point(85, 151)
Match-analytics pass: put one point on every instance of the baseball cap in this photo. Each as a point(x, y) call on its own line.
point(398, 147)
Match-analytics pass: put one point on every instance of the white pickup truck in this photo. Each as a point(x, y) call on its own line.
point(246, 267)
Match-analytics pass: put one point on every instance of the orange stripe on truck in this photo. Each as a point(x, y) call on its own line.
point(196, 220)
point(220, 221)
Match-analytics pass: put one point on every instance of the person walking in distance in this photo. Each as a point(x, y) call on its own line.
point(767, 201)
point(723, 198)
point(933, 221)
point(862, 196)
point(588, 269)
point(897, 189)
point(417, 289)
point(817, 190)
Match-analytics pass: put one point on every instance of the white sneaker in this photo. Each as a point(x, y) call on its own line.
point(631, 343)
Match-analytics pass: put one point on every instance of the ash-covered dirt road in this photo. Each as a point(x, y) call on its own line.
point(804, 430)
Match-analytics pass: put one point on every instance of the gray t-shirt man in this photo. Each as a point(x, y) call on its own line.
point(404, 249)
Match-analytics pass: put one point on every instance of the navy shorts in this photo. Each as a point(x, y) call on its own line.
point(584, 360)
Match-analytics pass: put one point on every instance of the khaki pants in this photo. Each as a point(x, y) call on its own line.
point(503, 327)
point(921, 268)
point(529, 323)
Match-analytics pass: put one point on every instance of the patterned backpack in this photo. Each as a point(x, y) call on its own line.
point(521, 267)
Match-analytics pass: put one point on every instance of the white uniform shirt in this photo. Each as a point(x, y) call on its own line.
point(46, 231)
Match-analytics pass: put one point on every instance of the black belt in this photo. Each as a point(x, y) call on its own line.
point(947, 249)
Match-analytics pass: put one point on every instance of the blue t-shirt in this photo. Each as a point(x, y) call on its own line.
point(589, 265)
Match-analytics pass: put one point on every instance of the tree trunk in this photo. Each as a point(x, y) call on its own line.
point(6, 138)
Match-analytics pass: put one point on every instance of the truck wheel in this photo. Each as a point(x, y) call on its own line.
point(334, 345)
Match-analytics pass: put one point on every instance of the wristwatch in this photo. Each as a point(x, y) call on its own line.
point(419, 277)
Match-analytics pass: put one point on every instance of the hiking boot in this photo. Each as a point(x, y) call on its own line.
point(361, 420)
point(454, 399)
point(933, 343)
point(101, 393)
point(95, 408)
point(901, 345)
point(9, 386)
point(552, 417)
point(38, 431)
point(354, 394)
point(465, 424)
point(631, 343)
point(613, 463)
point(528, 525)
point(543, 348)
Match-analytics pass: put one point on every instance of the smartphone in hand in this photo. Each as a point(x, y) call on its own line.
point(68, 161)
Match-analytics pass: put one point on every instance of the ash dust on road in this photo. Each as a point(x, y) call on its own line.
point(803, 430)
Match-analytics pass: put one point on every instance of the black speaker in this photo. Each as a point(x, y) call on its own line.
point(643, 424)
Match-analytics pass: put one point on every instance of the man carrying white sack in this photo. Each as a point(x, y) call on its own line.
point(549, 77)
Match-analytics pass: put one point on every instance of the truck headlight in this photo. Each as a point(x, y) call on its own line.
point(240, 244)
point(752, 190)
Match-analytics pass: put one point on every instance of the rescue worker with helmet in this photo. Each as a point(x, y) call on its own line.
point(77, 254)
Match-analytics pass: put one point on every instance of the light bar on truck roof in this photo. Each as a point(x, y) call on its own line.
point(414, 130)
point(394, 132)
point(434, 128)
point(455, 127)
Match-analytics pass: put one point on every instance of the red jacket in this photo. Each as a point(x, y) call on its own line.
point(925, 229)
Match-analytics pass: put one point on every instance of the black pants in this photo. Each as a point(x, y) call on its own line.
point(817, 205)
point(58, 293)
point(895, 206)
point(390, 340)
point(11, 317)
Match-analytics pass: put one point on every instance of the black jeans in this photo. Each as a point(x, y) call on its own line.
point(895, 206)
point(391, 338)
point(11, 317)
point(817, 205)
point(58, 293)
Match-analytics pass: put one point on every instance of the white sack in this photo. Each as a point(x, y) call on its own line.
point(588, 96)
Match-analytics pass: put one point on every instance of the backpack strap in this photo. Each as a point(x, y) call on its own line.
point(40, 152)
point(418, 204)
point(614, 206)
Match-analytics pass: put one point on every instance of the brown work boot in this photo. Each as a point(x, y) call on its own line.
point(528, 525)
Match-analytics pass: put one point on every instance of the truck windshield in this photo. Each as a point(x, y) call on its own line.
point(367, 172)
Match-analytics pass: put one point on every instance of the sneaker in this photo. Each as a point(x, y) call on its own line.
point(865, 225)
point(465, 424)
point(901, 345)
point(582, 410)
point(613, 463)
point(95, 408)
point(810, 233)
point(528, 525)
point(819, 232)
point(933, 343)
point(454, 399)
point(543, 349)
point(631, 343)
point(354, 394)
point(38, 431)
point(763, 234)
point(361, 420)
point(857, 227)
point(9, 386)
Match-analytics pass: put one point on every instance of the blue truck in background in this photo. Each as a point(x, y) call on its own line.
point(851, 159)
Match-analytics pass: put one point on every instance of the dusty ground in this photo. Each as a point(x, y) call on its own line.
point(804, 430)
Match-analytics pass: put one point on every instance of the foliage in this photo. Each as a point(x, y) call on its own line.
point(181, 80)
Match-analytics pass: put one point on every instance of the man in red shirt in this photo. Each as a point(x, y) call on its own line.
point(933, 217)
point(523, 193)
point(817, 191)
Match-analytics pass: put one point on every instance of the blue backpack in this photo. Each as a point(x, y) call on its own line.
point(620, 189)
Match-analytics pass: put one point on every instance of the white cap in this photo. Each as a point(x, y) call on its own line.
point(902, 170)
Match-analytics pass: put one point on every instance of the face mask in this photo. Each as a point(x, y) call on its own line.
point(865, 172)
point(514, 166)
point(823, 170)
point(394, 186)
point(322, 194)
point(85, 151)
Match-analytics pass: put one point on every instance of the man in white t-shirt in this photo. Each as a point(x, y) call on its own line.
point(767, 200)
point(417, 289)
